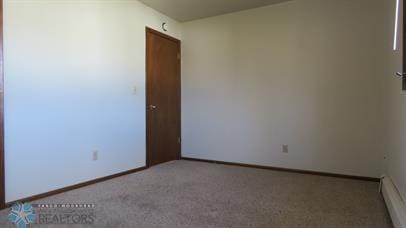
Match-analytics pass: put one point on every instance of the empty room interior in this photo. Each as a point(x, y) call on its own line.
point(202, 113)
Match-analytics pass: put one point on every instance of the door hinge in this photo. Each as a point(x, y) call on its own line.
point(178, 55)
point(179, 140)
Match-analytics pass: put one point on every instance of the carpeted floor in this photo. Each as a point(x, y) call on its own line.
point(193, 194)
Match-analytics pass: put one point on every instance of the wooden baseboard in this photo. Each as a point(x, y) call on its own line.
point(76, 186)
point(98, 180)
point(285, 169)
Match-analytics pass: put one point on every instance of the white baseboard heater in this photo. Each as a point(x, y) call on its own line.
point(394, 202)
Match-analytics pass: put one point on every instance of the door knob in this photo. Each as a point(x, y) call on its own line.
point(152, 107)
point(401, 74)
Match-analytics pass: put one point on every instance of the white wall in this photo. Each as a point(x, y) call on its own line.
point(395, 105)
point(70, 69)
point(303, 73)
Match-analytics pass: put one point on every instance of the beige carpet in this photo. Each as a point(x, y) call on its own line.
point(194, 194)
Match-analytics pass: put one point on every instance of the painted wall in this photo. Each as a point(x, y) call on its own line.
point(70, 70)
point(303, 73)
point(395, 105)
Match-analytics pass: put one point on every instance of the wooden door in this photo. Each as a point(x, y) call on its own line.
point(402, 22)
point(404, 45)
point(163, 97)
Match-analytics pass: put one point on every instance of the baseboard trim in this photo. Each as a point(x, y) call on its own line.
point(286, 169)
point(73, 187)
point(394, 203)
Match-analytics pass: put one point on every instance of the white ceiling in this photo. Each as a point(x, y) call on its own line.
point(187, 10)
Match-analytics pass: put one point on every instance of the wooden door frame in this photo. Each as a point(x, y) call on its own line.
point(147, 151)
point(403, 44)
point(2, 167)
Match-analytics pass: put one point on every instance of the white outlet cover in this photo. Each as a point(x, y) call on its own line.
point(285, 148)
point(95, 155)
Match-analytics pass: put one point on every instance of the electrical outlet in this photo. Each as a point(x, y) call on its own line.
point(95, 155)
point(285, 148)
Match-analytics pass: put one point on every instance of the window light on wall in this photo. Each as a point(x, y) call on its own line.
point(395, 36)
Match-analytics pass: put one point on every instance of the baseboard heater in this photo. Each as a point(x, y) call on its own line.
point(394, 202)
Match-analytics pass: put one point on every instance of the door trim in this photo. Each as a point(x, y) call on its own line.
point(147, 151)
point(403, 21)
point(150, 30)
